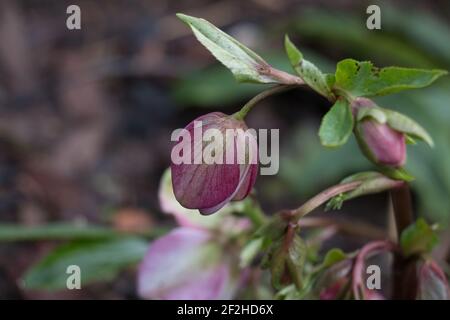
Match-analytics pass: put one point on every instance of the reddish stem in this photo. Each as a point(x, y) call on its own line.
point(404, 273)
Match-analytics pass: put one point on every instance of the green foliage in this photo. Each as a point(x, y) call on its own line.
point(418, 238)
point(333, 256)
point(312, 76)
point(363, 79)
point(56, 231)
point(337, 125)
point(371, 182)
point(249, 252)
point(296, 260)
point(404, 124)
point(99, 260)
point(65, 231)
point(245, 64)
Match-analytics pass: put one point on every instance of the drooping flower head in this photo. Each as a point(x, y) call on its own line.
point(213, 162)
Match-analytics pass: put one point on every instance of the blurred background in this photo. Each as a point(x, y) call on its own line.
point(86, 117)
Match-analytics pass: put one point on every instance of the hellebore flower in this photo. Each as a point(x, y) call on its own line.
point(214, 162)
point(186, 264)
point(380, 143)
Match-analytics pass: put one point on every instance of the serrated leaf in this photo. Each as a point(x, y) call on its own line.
point(333, 256)
point(246, 65)
point(363, 79)
point(250, 251)
point(418, 238)
point(337, 125)
point(99, 260)
point(402, 123)
point(312, 76)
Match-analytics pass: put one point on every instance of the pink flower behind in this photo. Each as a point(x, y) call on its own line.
point(186, 264)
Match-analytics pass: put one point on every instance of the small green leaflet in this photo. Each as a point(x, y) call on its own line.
point(246, 65)
point(418, 238)
point(308, 71)
point(337, 125)
point(333, 256)
point(363, 79)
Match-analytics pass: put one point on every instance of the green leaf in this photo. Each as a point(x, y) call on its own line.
point(64, 231)
point(99, 260)
point(363, 79)
point(333, 256)
point(418, 238)
point(55, 231)
point(337, 125)
point(250, 251)
point(308, 71)
point(373, 112)
point(397, 173)
point(277, 264)
point(404, 124)
point(246, 65)
point(372, 182)
point(296, 260)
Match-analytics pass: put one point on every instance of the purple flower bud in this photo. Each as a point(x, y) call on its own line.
point(380, 143)
point(217, 170)
point(186, 264)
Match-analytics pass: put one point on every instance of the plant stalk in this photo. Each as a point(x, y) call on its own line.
point(240, 115)
point(404, 274)
point(323, 197)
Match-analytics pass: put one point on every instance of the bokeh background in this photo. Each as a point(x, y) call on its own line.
point(86, 118)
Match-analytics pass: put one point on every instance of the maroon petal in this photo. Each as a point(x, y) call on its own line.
point(209, 187)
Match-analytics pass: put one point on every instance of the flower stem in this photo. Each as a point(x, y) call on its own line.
point(240, 115)
point(404, 274)
point(323, 197)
